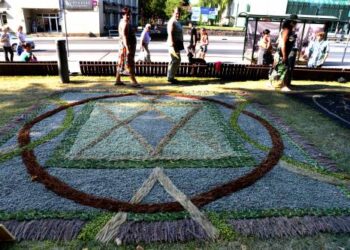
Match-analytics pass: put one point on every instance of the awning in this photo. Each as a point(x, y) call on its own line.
point(302, 18)
point(320, 2)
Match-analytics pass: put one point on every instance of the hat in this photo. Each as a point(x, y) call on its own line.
point(148, 26)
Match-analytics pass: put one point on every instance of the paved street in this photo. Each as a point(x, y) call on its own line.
point(224, 49)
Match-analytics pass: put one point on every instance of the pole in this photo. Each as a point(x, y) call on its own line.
point(63, 12)
point(346, 47)
point(63, 70)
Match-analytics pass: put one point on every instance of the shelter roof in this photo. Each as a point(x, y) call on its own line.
point(301, 18)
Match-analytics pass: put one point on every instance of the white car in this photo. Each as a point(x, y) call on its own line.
point(14, 41)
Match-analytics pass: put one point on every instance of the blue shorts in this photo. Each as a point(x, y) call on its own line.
point(204, 48)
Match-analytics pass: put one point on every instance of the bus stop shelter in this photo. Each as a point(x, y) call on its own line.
point(307, 27)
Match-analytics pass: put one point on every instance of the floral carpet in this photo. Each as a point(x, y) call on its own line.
point(74, 163)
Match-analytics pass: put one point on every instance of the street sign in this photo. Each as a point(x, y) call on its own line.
point(196, 13)
point(78, 4)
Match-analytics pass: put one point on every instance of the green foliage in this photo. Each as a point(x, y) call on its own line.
point(285, 212)
point(225, 230)
point(35, 214)
point(91, 229)
point(157, 7)
point(170, 5)
point(158, 216)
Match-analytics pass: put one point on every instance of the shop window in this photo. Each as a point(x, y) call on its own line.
point(3, 19)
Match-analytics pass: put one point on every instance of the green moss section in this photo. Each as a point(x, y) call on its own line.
point(225, 230)
point(91, 229)
point(158, 216)
point(35, 214)
point(242, 159)
point(66, 123)
point(241, 214)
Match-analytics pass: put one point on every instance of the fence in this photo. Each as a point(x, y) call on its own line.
point(234, 72)
point(41, 68)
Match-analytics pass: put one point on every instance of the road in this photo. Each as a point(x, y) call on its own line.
point(224, 49)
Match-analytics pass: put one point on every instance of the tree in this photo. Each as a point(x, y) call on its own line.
point(152, 9)
point(170, 5)
point(157, 8)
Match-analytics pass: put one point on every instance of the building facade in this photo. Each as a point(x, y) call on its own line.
point(337, 8)
point(76, 17)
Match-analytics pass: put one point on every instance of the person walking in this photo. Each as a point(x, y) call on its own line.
point(21, 40)
point(6, 44)
point(204, 41)
point(175, 43)
point(265, 49)
point(144, 43)
point(193, 39)
point(127, 49)
point(318, 51)
point(284, 58)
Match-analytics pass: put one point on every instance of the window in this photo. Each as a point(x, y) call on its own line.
point(3, 19)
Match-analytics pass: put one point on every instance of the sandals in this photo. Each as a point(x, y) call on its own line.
point(136, 85)
point(119, 84)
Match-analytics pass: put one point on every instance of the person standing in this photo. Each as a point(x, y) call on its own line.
point(6, 44)
point(21, 40)
point(175, 43)
point(127, 49)
point(284, 58)
point(144, 43)
point(265, 53)
point(193, 38)
point(204, 40)
point(34, 26)
point(318, 51)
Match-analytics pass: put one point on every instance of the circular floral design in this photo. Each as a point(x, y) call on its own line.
point(39, 174)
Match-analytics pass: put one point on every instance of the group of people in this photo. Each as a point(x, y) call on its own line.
point(284, 58)
point(175, 42)
point(23, 49)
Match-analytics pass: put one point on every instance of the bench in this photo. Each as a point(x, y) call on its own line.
point(42, 68)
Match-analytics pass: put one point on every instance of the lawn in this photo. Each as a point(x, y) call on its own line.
point(18, 94)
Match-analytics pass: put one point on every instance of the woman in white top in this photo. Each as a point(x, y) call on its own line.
point(6, 44)
point(21, 40)
point(144, 42)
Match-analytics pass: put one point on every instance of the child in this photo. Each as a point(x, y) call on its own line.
point(27, 55)
point(265, 49)
point(204, 41)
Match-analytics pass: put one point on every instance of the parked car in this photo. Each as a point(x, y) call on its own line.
point(14, 41)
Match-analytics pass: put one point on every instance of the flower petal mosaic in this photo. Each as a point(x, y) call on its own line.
point(231, 163)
